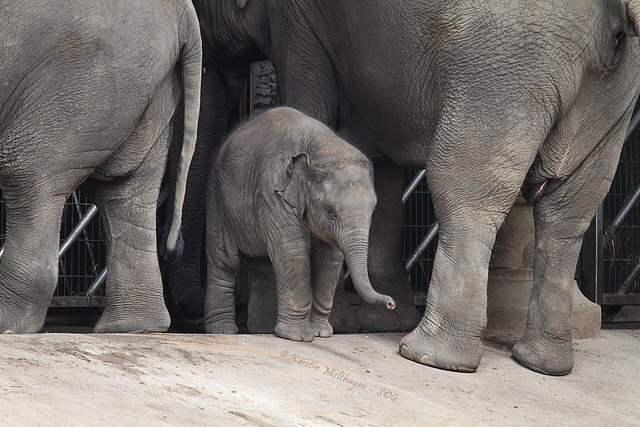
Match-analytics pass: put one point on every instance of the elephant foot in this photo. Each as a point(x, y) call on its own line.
point(377, 318)
point(136, 320)
point(28, 320)
point(221, 328)
point(343, 318)
point(453, 352)
point(320, 325)
point(553, 358)
point(295, 332)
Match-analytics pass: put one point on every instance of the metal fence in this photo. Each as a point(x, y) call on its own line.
point(418, 222)
point(83, 259)
point(618, 224)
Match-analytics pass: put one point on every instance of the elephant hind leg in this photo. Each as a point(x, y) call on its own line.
point(134, 295)
point(223, 266)
point(29, 267)
point(561, 219)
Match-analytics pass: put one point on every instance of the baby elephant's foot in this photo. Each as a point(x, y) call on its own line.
point(448, 352)
point(291, 332)
point(221, 328)
point(320, 326)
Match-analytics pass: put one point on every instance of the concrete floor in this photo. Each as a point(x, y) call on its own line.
point(260, 380)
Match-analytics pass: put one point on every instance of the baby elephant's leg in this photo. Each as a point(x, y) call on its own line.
point(223, 265)
point(326, 263)
point(290, 259)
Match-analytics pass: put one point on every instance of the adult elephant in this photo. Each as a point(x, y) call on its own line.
point(87, 95)
point(488, 96)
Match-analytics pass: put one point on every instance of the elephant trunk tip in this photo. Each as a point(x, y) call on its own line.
point(382, 299)
point(389, 302)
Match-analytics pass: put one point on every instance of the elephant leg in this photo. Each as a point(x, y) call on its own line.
point(386, 260)
point(134, 297)
point(546, 346)
point(326, 264)
point(289, 253)
point(561, 219)
point(29, 267)
point(262, 310)
point(449, 334)
point(223, 266)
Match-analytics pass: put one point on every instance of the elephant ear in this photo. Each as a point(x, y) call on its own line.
point(289, 184)
point(241, 3)
point(633, 13)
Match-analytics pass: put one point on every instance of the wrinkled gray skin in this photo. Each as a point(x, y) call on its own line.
point(483, 94)
point(87, 93)
point(287, 187)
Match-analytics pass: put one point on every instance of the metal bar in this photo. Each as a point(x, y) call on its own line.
point(93, 289)
point(94, 266)
point(75, 233)
point(632, 125)
point(79, 301)
point(627, 283)
point(629, 204)
point(626, 209)
point(433, 231)
point(77, 230)
point(417, 179)
point(424, 244)
point(616, 299)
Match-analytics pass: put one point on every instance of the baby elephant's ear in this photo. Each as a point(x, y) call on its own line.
point(289, 184)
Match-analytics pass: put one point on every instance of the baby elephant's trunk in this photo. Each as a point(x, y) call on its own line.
point(355, 250)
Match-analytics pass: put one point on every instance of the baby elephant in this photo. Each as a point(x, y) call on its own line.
point(287, 187)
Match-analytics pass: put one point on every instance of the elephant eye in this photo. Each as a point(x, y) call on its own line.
point(331, 212)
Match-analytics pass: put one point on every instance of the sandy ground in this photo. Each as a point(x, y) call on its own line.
point(260, 380)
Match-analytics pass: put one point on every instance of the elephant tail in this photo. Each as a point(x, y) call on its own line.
point(191, 58)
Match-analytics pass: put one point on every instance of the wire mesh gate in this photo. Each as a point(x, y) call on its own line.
point(83, 254)
point(617, 229)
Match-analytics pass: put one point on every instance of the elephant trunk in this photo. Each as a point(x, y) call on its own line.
point(355, 247)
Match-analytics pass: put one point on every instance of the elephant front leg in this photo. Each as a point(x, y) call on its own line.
point(29, 267)
point(290, 259)
point(470, 210)
point(449, 335)
point(326, 262)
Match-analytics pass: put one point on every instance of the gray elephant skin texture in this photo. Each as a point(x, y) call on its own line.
point(487, 96)
point(87, 94)
point(286, 186)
